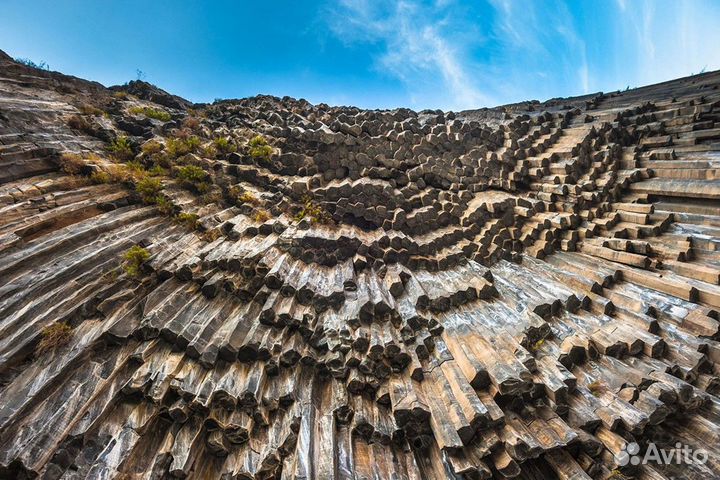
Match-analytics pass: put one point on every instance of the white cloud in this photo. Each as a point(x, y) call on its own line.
point(458, 55)
point(584, 77)
point(419, 48)
point(432, 48)
point(669, 39)
point(534, 35)
point(647, 35)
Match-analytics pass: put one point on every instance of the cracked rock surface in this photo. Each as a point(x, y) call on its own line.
point(324, 292)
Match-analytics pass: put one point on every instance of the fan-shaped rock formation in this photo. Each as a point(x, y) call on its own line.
point(266, 288)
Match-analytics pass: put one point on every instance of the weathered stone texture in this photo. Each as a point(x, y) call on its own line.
point(514, 292)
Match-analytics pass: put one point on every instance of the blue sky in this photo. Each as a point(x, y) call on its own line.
point(374, 54)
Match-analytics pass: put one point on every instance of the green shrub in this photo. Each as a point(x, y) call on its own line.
point(259, 148)
point(135, 166)
point(163, 204)
point(177, 147)
point(148, 188)
point(52, 337)
point(157, 171)
point(224, 146)
point(150, 112)
point(121, 148)
point(190, 220)
point(209, 151)
point(257, 140)
point(133, 259)
point(193, 178)
point(191, 173)
point(314, 212)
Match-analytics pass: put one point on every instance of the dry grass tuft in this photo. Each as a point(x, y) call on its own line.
point(52, 337)
point(80, 123)
point(596, 387)
point(261, 215)
point(72, 163)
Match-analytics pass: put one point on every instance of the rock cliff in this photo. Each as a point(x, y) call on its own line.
point(265, 288)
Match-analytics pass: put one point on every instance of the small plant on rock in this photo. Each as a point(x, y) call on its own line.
point(29, 63)
point(314, 212)
point(133, 260)
point(71, 163)
point(249, 198)
point(87, 109)
point(157, 171)
point(80, 123)
point(120, 173)
point(111, 276)
point(596, 388)
point(259, 148)
point(99, 177)
point(211, 235)
point(261, 215)
point(154, 113)
point(224, 146)
point(537, 345)
point(191, 123)
point(190, 220)
point(163, 204)
point(177, 147)
point(52, 337)
point(191, 173)
point(211, 195)
point(135, 167)
point(193, 178)
point(237, 195)
point(151, 147)
point(121, 148)
point(209, 151)
point(617, 475)
point(149, 188)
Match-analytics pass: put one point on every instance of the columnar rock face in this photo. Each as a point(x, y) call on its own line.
point(325, 292)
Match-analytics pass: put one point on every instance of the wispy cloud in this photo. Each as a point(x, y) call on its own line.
point(418, 46)
point(646, 36)
point(534, 35)
point(668, 39)
point(458, 55)
point(462, 55)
